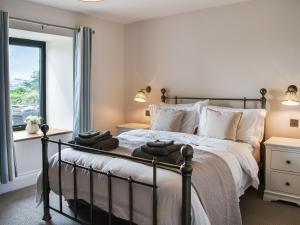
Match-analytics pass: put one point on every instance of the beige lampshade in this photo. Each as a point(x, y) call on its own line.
point(290, 97)
point(140, 96)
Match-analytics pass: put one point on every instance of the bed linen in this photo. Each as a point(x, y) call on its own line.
point(238, 157)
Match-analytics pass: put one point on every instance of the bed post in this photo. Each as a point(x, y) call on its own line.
point(186, 171)
point(46, 188)
point(163, 96)
point(263, 92)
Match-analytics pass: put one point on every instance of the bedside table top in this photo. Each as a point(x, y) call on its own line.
point(134, 125)
point(286, 142)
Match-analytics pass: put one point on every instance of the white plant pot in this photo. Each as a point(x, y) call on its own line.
point(32, 129)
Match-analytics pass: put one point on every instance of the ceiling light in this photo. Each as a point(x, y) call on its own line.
point(91, 0)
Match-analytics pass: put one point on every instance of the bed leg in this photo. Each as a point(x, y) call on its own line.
point(46, 189)
point(186, 171)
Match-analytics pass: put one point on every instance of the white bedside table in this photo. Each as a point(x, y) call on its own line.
point(282, 170)
point(131, 126)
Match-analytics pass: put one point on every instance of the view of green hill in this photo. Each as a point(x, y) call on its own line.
point(27, 92)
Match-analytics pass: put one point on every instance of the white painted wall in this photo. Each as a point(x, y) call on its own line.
point(230, 51)
point(60, 83)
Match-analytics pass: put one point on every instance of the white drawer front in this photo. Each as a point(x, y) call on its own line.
point(287, 161)
point(285, 183)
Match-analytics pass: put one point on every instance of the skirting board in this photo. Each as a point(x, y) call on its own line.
point(20, 182)
point(275, 196)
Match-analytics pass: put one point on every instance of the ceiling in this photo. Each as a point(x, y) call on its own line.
point(128, 11)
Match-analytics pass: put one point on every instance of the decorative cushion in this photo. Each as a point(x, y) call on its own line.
point(221, 125)
point(167, 120)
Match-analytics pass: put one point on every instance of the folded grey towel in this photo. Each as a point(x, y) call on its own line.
point(172, 158)
point(161, 151)
point(93, 140)
point(159, 143)
point(107, 145)
point(88, 134)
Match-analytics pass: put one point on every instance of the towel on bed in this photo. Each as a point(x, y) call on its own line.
point(88, 134)
point(168, 154)
point(159, 143)
point(161, 151)
point(102, 135)
point(101, 140)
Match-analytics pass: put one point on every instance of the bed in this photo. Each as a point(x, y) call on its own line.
point(143, 191)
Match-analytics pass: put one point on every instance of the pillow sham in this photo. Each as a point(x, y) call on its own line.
point(167, 120)
point(221, 125)
point(251, 127)
point(191, 116)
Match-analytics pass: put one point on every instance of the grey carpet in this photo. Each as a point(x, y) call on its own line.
point(18, 208)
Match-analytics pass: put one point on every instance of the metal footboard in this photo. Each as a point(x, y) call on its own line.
point(185, 170)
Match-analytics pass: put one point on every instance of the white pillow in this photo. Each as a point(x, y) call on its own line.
point(191, 117)
point(222, 125)
point(167, 120)
point(251, 126)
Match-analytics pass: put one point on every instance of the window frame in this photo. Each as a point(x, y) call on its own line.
point(42, 46)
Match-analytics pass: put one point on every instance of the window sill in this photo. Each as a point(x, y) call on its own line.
point(24, 136)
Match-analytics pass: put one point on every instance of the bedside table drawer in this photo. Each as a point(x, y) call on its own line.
point(287, 161)
point(287, 183)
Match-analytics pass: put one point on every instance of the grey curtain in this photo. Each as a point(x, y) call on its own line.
point(82, 79)
point(7, 156)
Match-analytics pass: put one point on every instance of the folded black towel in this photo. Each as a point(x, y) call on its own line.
point(93, 140)
point(159, 143)
point(107, 145)
point(161, 151)
point(88, 134)
point(172, 158)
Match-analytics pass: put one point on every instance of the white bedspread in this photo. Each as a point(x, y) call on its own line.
point(238, 156)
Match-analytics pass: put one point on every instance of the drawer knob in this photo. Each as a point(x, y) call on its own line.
point(287, 184)
point(288, 162)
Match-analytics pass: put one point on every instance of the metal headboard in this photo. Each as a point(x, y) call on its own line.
point(262, 100)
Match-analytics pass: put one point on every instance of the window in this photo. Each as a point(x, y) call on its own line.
point(27, 66)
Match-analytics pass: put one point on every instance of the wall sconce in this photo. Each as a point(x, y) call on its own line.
point(141, 96)
point(290, 96)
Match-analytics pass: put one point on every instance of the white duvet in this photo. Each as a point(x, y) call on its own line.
point(237, 155)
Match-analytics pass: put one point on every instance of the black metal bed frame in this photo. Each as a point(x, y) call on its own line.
point(185, 170)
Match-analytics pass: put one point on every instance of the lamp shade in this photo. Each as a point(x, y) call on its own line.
point(290, 96)
point(140, 96)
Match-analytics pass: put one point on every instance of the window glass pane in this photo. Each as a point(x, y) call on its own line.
point(24, 65)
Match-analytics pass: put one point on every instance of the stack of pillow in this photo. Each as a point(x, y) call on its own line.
point(244, 125)
point(176, 117)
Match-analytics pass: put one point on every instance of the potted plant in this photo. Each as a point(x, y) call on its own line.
point(32, 124)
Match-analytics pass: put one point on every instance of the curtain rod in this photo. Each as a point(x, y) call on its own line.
point(45, 24)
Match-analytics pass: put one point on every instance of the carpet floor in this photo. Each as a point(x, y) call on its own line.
point(18, 208)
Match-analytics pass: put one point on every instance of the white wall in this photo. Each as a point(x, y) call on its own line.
point(60, 82)
point(107, 55)
point(230, 51)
